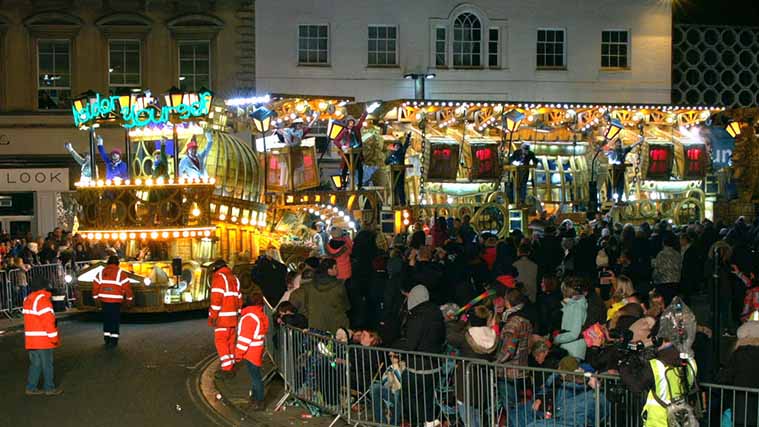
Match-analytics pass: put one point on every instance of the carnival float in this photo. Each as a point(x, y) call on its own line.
point(335, 162)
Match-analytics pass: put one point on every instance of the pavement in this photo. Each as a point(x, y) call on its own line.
point(229, 398)
point(162, 373)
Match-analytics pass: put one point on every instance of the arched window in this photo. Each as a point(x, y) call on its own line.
point(467, 41)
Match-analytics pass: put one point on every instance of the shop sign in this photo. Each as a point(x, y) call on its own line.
point(53, 179)
point(136, 116)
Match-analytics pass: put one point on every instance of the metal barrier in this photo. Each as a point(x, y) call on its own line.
point(377, 386)
point(14, 286)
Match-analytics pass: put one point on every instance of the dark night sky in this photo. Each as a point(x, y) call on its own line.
point(717, 12)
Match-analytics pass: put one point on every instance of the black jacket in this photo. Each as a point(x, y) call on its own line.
point(425, 332)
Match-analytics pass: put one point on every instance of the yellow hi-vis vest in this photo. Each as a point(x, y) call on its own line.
point(667, 387)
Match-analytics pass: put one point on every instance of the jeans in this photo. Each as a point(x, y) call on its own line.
point(470, 416)
point(257, 383)
point(509, 395)
point(40, 364)
point(381, 394)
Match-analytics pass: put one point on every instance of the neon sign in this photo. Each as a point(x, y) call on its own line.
point(140, 115)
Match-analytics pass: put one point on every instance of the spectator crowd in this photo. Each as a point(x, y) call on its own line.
point(563, 298)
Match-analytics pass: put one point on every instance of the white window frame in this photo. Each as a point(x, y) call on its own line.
point(483, 37)
point(497, 53)
point(70, 46)
point(378, 52)
point(564, 49)
point(139, 64)
point(628, 45)
point(329, 46)
point(435, 50)
point(194, 60)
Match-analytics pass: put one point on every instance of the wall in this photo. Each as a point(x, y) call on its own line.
point(646, 81)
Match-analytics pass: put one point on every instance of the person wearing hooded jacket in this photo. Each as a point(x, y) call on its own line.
point(324, 300)
point(251, 337)
point(425, 333)
point(574, 312)
point(476, 339)
point(41, 337)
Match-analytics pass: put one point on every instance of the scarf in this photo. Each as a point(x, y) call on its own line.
point(511, 311)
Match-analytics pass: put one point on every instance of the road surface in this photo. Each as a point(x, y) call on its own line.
point(146, 381)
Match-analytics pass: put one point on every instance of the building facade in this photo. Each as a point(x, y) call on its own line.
point(53, 50)
point(543, 50)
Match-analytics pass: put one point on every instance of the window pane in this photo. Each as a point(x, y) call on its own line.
point(132, 62)
point(560, 36)
point(372, 45)
point(623, 36)
point(391, 32)
point(322, 44)
point(372, 32)
point(440, 32)
point(391, 59)
point(323, 31)
point(313, 31)
point(322, 57)
point(440, 60)
point(605, 36)
point(541, 35)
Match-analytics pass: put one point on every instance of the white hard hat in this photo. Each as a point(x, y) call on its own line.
point(298, 121)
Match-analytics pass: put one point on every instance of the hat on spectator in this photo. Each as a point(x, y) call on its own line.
point(507, 280)
point(569, 364)
point(417, 296)
point(750, 329)
point(39, 282)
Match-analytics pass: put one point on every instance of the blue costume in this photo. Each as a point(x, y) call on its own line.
point(195, 166)
point(113, 170)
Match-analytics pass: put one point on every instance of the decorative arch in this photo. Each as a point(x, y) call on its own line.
point(195, 24)
point(53, 23)
point(124, 22)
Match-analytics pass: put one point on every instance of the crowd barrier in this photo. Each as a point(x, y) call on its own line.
point(378, 386)
point(14, 286)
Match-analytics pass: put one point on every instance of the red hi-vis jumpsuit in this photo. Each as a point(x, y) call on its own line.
point(226, 301)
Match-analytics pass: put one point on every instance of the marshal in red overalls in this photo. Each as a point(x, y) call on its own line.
point(226, 301)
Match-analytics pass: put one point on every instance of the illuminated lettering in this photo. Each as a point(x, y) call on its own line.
point(139, 117)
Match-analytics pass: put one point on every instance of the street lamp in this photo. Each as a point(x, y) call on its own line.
point(419, 82)
point(86, 99)
point(262, 121)
point(613, 131)
point(733, 129)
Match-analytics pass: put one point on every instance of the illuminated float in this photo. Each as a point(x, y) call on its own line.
point(461, 161)
point(186, 218)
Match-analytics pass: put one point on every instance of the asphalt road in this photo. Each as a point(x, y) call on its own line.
point(146, 381)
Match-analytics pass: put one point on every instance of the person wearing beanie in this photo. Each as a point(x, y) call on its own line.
point(41, 337)
point(425, 332)
point(114, 166)
point(193, 165)
point(110, 289)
